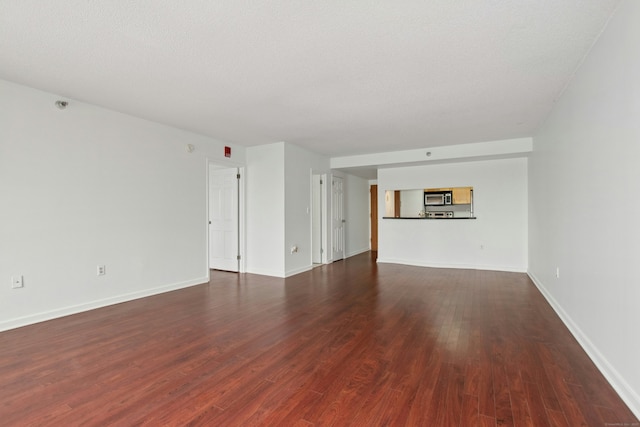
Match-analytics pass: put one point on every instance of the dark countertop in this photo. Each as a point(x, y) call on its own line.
point(429, 219)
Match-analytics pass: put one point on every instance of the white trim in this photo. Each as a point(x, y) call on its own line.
point(326, 219)
point(357, 252)
point(242, 216)
point(74, 309)
point(617, 381)
point(298, 271)
point(242, 222)
point(419, 263)
point(265, 272)
point(207, 169)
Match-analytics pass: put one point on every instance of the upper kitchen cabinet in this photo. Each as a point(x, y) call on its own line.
point(462, 195)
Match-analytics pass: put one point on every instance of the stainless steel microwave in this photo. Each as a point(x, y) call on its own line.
point(437, 198)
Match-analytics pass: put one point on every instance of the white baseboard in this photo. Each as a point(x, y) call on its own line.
point(420, 263)
point(617, 381)
point(92, 305)
point(298, 271)
point(357, 252)
point(264, 272)
point(304, 269)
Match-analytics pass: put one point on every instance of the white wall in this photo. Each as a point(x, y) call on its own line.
point(279, 208)
point(356, 214)
point(517, 147)
point(584, 197)
point(265, 209)
point(88, 186)
point(496, 240)
point(300, 165)
point(411, 202)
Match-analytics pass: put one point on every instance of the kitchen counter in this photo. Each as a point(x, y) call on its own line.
point(428, 219)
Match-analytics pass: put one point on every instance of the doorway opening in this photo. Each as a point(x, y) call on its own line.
point(337, 219)
point(373, 215)
point(318, 206)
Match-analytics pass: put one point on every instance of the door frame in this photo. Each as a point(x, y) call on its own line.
point(332, 231)
point(211, 165)
point(323, 212)
point(373, 217)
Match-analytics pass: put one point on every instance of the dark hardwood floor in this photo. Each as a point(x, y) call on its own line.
point(353, 343)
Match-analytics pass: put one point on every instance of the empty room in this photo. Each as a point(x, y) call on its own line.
point(345, 213)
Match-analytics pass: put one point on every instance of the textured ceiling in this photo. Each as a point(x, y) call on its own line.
point(339, 77)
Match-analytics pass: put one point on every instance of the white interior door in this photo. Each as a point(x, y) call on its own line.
point(223, 219)
point(337, 218)
point(316, 219)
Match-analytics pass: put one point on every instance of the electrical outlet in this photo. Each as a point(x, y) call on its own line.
point(17, 282)
point(102, 270)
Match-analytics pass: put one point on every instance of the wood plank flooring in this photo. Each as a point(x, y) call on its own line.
point(349, 344)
